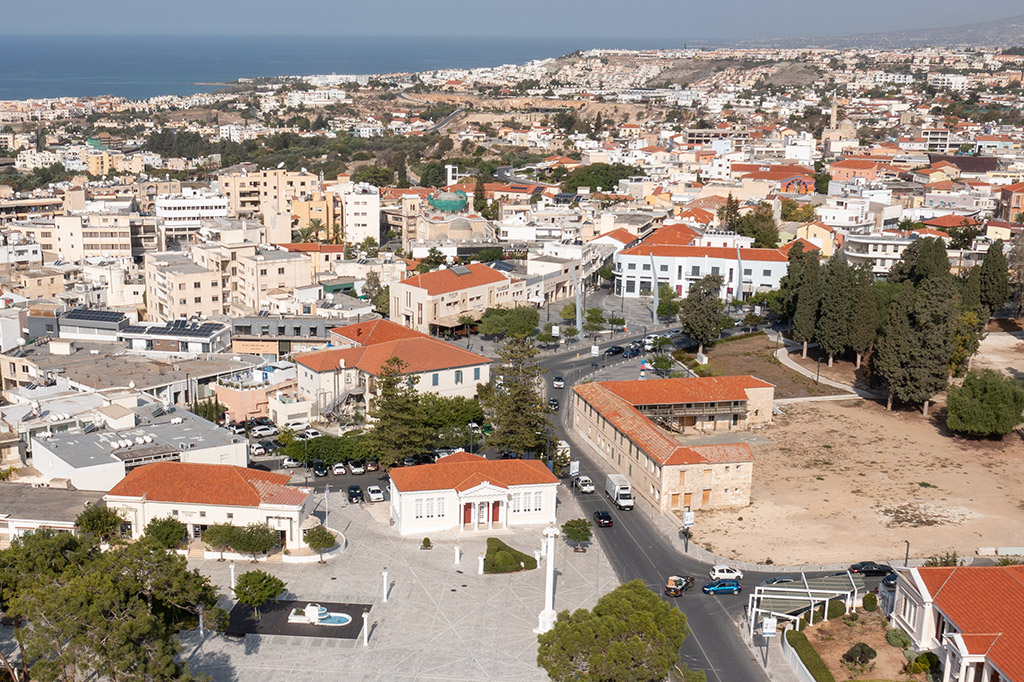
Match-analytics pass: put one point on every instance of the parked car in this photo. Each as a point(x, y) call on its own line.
point(262, 431)
point(375, 493)
point(603, 519)
point(255, 450)
point(319, 468)
point(310, 434)
point(719, 571)
point(270, 445)
point(722, 587)
point(260, 421)
point(289, 463)
point(614, 350)
point(553, 404)
point(409, 462)
point(356, 468)
point(871, 568)
point(649, 341)
point(338, 469)
point(891, 579)
point(296, 425)
point(372, 465)
point(236, 428)
point(558, 382)
point(631, 352)
point(355, 494)
point(777, 580)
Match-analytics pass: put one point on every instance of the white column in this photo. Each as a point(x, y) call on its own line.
point(490, 514)
point(384, 576)
point(548, 615)
point(458, 553)
point(366, 628)
point(480, 564)
point(232, 575)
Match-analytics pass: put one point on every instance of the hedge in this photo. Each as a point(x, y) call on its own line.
point(870, 601)
point(836, 609)
point(501, 558)
point(812, 661)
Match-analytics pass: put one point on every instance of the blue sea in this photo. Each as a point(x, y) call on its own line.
point(138, 67)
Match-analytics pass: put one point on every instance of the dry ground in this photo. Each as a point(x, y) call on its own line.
point(1003, 351)
point(753, 355)
point(834, 638)
point(848, 481)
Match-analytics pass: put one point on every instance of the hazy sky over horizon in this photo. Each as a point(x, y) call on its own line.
point(683, 20)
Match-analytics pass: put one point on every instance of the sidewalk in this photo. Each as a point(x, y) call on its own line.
point(782, 355)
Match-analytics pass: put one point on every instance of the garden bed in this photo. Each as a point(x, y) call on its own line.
point(833, 638)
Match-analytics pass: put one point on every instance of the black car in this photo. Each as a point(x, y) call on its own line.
point(270, 445)
point(553, 403)
point(631, 352)
point(614, 350)
point(355, 494)
point(870, 568)
point(891, 579)
point(603, 519)
point(319, 468)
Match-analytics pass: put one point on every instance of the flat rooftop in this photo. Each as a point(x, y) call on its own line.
point(112, 365)
point(20, 501)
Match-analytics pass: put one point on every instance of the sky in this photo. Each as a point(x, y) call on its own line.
point(683, 20)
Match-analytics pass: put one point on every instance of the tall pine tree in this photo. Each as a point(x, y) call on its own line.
point(896, 344)
point(832, 329)
point(923, 259)
point(864, 315)
point(808, 296)
point(994, 278)
point(789, 286)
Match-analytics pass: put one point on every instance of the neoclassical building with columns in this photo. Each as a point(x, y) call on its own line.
point(468, 493)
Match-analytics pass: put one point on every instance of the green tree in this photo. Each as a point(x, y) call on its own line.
point(864, 316)
point(577, 531)
point(702, 315)
point(516, 409)
point(729, 214)
point(256, 588)
point(832, 329)
point(479, 195)
point(399, 430)
point(434, 259)
point(372, 289)
point(662, 364)
point(593, 320)
point(568, 312)
point(987, 404)
point(606, 273)
point(794, 211)
point(1016, 266)
point(546, 336)
point(219, 537)
point(447, 417)
point(760, 224)
point(808, 298)
point(923, 259)
point(370, 246)
point(100, 522)
point(668, 304)
point(520, 321)
point(378, 176)
point(254, 539)
point(963, 235)
point(316, 225)
point(307, 234)
point(994, 278)
point(631, 634)
point(318, 539)
point(603, 175)
point(168, 532)
point(789, 286)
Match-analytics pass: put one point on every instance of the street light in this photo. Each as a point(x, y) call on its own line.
point(906, 557)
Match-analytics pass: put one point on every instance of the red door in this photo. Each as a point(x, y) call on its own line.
point(467, 514)
point(495, 510)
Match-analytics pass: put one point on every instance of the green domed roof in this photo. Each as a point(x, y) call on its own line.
point(449, 202)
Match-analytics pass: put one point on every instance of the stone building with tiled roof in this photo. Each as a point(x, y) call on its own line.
point(647, 430)
point(465, 493)
point(972, 617)
point(200, 495)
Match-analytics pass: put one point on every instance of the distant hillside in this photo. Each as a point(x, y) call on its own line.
point(998, 33)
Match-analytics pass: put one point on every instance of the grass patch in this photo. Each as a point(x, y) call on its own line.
point(500, 558)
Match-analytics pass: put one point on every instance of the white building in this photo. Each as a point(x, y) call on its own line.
point(464, 493)
point(179, 216)
point(200, 495)
point(315, 98)
point(360, 205)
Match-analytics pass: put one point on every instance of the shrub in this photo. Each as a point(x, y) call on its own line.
point(836, 609)
point(860, 654)
point(870, 601)
point(898, 638)
point(501, 558)
point(926, 662)
point(950, 558)
point(426, 543)
point(812, 661)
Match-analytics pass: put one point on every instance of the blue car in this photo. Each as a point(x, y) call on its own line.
point(631, 352)
point(722, 587)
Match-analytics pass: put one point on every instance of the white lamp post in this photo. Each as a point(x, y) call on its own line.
point(384, 576)
point(366, 629)
point(548, 615)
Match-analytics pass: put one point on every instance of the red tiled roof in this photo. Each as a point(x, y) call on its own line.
point(303, 247)
point(421, 354)
point(808, 246)
point(617, 406)
point(986, 603)
point(469, 471)
point(951, 221)
point(377, 331)
point(214, 484)
point(1018, 187)
point(446, 281)
point(693, 390)
point(727, 253)
point(620, 234)
point(672, 234)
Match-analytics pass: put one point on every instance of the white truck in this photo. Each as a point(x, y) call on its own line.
point(618, 491)
point(583, 484)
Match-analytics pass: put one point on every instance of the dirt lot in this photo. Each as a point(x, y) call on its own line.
point(834, 638)
point(753, 355)
point(847, 481)
point(1003, 351)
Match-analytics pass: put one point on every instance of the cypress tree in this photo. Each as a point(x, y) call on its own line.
point(790, 283)
point(896, 344)
point(864, 315)
point(832, 328)
point(936, 311)
point(805, 317)
point(994, 278)
point(924, 259)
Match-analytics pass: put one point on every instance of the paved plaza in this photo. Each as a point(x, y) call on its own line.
point(442, 621)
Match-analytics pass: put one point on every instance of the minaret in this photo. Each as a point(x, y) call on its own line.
point(835, 115)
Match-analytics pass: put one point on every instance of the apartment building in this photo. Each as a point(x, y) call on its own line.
point(24, 209)
point(269, 190)
point(179, 216)
point(879, 252)
point(324, 207)
point(638, 428)
point(436, 300)
point(176, 287)
point(1011, 201)
point(360, 204)
point(269, 272)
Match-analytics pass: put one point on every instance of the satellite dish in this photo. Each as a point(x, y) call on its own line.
point(21, 341)
point(281, 165)
point(131, 384)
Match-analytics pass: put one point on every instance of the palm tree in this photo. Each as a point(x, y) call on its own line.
point(305, 234)
point(337, 234)
point(317, 225)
